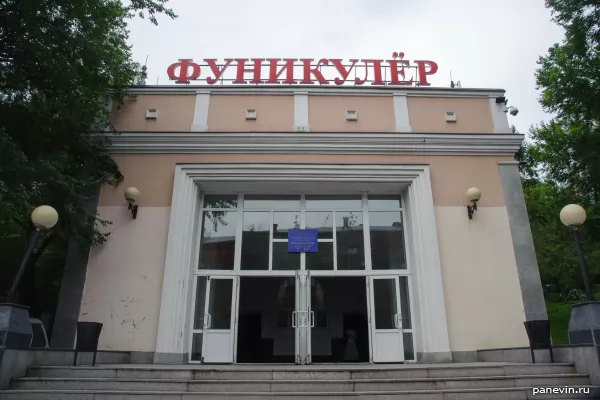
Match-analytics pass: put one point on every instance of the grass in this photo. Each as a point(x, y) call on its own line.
point(559, 314)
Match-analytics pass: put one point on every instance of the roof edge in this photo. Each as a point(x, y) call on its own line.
point(319, 90)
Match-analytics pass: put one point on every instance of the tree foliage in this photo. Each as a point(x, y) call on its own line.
point(60, 61)
point(562, 163)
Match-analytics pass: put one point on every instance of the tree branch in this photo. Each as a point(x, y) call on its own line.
point(22, 225)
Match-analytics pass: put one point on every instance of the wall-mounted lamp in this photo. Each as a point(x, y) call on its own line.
point(473, 195)
point(132, 194)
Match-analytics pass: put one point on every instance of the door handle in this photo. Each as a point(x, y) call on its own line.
point(312, 319)
point(208, 321)
point(294, 324)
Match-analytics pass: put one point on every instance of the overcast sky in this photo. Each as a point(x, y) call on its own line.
point(485, 43)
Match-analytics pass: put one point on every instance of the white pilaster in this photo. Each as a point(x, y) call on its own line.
point(301, 112)
point(401, 113)
point(178, 263)
point(499, 117)
point(200, 122)
point(434, 334)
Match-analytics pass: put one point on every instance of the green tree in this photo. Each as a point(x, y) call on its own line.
point(60, 62)
point(562, 163)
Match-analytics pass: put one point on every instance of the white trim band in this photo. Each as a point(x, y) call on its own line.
point(316, 143)
point(334, 90)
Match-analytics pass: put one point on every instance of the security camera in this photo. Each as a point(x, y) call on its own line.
point(513, 110)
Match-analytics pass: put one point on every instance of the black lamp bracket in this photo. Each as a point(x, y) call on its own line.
point(471, 210)
point(133, 208)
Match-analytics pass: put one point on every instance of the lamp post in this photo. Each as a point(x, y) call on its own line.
point(43, 217)
point(574, 216)
point(15, 325)
point(584, 324)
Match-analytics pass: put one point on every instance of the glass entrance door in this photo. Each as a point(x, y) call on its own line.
point(215, 324)
point(386, 319)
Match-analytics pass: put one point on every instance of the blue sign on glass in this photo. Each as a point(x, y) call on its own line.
point(302, 241)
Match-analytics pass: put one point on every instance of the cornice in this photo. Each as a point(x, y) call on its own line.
point(318, 90)
point(314, 143)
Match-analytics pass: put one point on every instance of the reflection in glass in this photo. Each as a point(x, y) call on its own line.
point(284, 221)
point(384, 202)
point(334, 202)
point(409, 352)
point(217, 246)
point(220, 201)
point(272, 202)
point(200, 300)
point(323, 221)
point(404, 303)
point(255, 240)
point(286, 302)
point(386, 306)
point(350, 240)
point(219, 303)
point(318, 287)
point(197, 347)
point(387, 240)
point(321, 260)
point(282, 260)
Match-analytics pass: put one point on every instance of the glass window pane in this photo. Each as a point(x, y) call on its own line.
point(255, 240)
point(383, 202)
point(197, 347)
point(200, 300)
point(409, 352)
point(405, 303)
point(217, 246)
point(272, 202)
point(322, 221)
point(328, 202)
point(220, 201)
point(387, 240)
point(282, 260)
point(321, 260)
point(283, 222)
point(350, 240)
point(386, 306)
point(219, 303)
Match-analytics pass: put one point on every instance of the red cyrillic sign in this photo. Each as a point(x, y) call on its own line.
point(305, 71)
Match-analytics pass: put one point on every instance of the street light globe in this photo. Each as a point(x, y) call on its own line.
point(132, 194)
point(44, 217)
point(573, 215)
point(473, 194)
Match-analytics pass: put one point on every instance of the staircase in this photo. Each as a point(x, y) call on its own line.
point(476, 381)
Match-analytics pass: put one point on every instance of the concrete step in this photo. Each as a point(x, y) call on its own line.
point(406, 371)
point(357, 385)
point(520, 393)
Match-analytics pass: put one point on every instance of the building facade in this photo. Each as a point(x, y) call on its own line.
point(205, 272)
